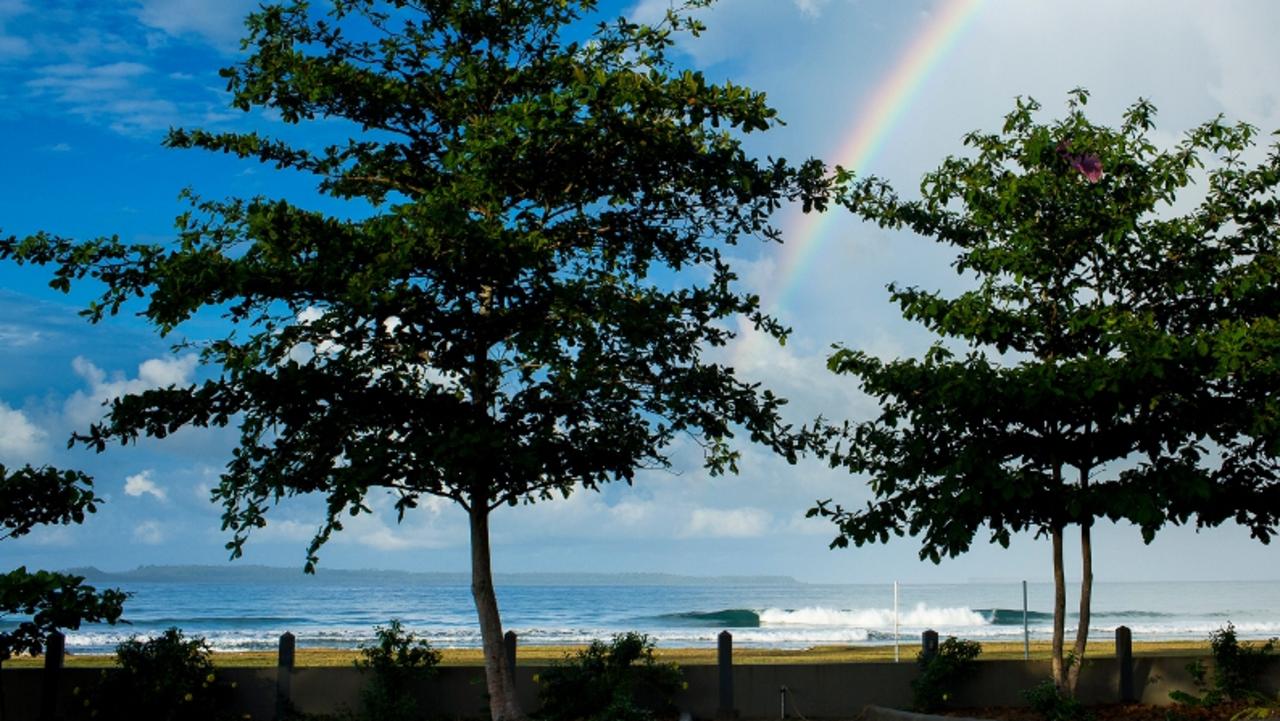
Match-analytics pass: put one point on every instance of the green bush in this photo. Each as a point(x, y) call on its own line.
point(618, 681)
point(396, 663)
point(1047, 700)
point(162, 678)
point(1236, 667)
point(940, 674)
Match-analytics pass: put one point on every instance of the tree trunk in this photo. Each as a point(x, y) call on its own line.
point(1059, 612)
point(501, 684)
point(1086, 591)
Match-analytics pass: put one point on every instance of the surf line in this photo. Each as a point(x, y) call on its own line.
point(883, 107)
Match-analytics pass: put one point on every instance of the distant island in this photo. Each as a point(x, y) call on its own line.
point(235, 573)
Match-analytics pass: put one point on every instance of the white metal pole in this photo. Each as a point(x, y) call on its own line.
point(895, 621)
point(1026, 632)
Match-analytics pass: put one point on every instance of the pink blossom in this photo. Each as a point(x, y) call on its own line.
point(1089, 165)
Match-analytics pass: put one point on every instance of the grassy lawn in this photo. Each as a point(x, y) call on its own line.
point(542, 655)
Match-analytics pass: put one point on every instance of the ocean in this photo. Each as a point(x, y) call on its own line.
point(343, 613)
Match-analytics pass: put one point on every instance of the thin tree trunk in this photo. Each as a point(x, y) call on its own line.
point(503, 703)
point(1086, 591)
point(1059, 611)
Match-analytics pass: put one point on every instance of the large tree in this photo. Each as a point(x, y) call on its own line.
point(516, 303)
point(38, 603)
point(1080, 376)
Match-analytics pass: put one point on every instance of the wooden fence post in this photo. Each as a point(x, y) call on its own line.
point(928, 645)
point(724, 656)
point(1124, 657)
point(284, 675)
point(509, 641)
point(54, 651)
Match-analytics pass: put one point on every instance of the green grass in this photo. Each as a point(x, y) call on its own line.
point(542, 655)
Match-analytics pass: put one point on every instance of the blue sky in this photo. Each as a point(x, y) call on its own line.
point(87, 90)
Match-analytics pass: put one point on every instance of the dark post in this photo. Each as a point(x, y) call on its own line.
point(54, 649)
point(284, 675)
point(928, 645)
point(725, 657)
point(1124, 657)
point(509, 641)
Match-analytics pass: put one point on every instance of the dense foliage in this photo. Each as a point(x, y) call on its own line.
point(617, 681)
point(941, 673)
point(1237, 668)
point(34, 604)
point(394, 665)
point(516, 301)
point(1110, 351)
point(166, 678)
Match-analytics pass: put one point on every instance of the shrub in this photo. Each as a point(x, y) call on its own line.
point(1047, 700)
point(396, 662)
point(1236, 667)
point(162, 678)
point(618, 681)
point(939, 675)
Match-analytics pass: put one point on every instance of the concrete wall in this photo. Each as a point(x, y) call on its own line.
point(818, 691)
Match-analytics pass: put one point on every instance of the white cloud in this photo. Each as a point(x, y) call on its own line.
point(424, 527)
point(21, 441)
point(149, 532)
point(12, 46)
point(17, 336)
point(812, 8)
point(726, 523)
point(85, 406)
point(141, 484)
point(219, 23)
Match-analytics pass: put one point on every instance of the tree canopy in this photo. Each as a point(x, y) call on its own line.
point(1100, 378)
point(45, 601)
point(516, 305)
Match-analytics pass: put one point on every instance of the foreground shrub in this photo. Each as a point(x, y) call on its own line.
point(1047, 700)
point(942, 673)
point(1236, 668)
point(396, 663)
point(164, 678)
point(618, 681)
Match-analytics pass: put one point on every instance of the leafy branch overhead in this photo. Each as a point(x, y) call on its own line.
point(43, 601)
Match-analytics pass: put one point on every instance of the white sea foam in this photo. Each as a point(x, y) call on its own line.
point(920, 616)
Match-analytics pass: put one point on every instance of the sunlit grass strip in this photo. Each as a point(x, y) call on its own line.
point(542, 655)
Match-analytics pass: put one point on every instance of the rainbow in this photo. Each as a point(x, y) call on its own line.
point(886, 104)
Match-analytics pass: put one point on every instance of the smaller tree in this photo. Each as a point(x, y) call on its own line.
point(46, 601)
point(1099, 349)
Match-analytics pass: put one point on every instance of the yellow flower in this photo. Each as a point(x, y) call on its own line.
point(684, 685)
point(209, 678)
point(187, 697)
point(536, 679)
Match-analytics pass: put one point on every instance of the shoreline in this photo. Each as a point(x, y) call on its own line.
point(546, 655)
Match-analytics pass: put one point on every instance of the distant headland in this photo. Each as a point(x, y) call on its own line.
point(236, 573)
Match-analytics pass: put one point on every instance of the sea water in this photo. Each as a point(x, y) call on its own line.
point(247, 616)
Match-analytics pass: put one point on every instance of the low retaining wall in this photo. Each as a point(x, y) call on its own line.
point(818, 691)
